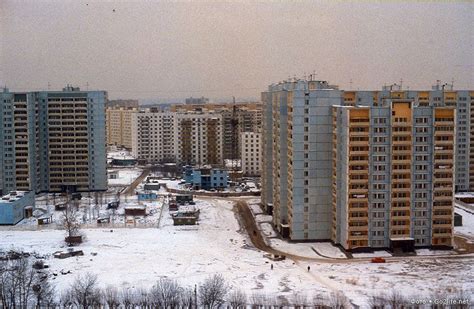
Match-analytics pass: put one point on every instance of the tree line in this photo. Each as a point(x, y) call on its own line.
point(25, 286)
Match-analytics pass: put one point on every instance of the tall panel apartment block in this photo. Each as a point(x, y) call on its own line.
point(57, 138)
point(393, 177)
point(300, 135)
point(365, 168)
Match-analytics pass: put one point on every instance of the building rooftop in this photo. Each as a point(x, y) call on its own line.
point(13, 196)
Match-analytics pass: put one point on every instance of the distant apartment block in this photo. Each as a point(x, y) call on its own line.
point(119, 126)
point(201, 100)
point(187, 138)
point(365, 186)
point(198, 138)
point(53, 139)
point(236, 118)
point(122, 103)
point(153, 137)
point(251, 156)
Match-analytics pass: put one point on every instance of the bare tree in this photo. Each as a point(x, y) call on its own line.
point(187, 298)
point(299, 300)
point(337, 300)
point(142, 298)
point(166, 293)
point(126, 297)
point(396, 300)
point(258, 300)
point(111, 297)
point(70, 221)
point(378, 301)
point(44, 292)
point(213, 291)
point(66, 300)
point(17, 278)
point(237, 299)
point(85, 292)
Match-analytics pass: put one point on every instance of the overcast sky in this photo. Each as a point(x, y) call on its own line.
point(151, 49)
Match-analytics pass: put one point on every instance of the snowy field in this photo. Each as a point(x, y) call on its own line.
point(467, 228)
point(136, 257)
point(125, 176)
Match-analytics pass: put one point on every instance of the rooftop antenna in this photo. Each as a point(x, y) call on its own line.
point(452, 83)
point(401, 82)
point(350, 83)
point(49, 85)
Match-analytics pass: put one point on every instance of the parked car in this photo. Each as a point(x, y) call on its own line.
point(378, 259)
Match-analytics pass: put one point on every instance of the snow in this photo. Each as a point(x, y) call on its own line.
point(377, 253)
point(125, 176)
point(186, 253)
point(467, 228)
point(427, 252)
point(189, 254)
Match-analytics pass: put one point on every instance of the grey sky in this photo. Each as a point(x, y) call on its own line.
point(219, 49)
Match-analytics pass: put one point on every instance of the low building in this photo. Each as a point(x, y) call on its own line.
point(147, 196)
point(14, 206)
point(205, 178)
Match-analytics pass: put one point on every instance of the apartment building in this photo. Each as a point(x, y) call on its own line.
point(19, 142)
point(153, 137)
point(251, 156)
point(393, 175)
point(236, 119)
point(119, 126)
point(193, 138)
point(298, 166)
point(297, 171)
point(53, 139)
point(198, 138)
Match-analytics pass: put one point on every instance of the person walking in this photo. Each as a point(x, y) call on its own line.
point(309, 268)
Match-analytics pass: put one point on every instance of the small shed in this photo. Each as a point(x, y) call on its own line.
point(135, 210)
point(60, 207)
point(103, 220)
point(184, 219)
point(46, 218)
point(113, 174)
point(113, 205)
point(184, 198)
point(147, 196)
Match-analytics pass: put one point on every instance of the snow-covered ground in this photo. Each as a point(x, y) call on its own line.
point(135, 257)
point(125, 176)
point(467, 228)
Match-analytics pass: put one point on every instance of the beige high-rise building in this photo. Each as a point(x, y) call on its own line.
point(119, 126)
point(251, 156)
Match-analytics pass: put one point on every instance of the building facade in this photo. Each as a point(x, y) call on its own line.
point(119, 126)
point(393, 175)
point(251, 153)
point(205, 177)
point(53, 139)
point(153, 137)
point(198, 138)
point(411, 197)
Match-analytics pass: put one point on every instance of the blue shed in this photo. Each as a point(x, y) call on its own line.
point(14, 205)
